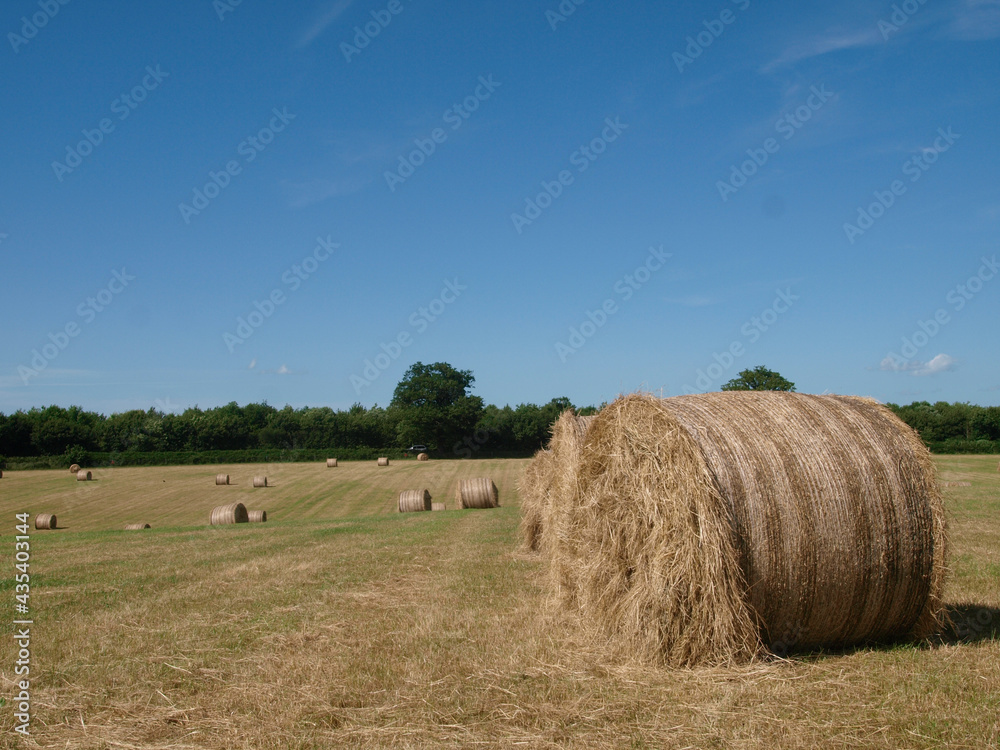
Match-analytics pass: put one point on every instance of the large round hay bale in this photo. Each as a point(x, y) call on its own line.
point(45, 521)
point(260, 481)
point(411, 501)
point(136, 526)
point(423, 457)
point(383, 461)
point(84, 476)
point(477, 493)
point(231, 513)
point(437, 506)
point(331, 463)
point(708, 528)
point(74, 468)
point(221, 479)
point(257, 516)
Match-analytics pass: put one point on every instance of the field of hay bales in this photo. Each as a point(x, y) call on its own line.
point(342, 623)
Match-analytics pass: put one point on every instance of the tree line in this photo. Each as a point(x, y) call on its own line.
point(432, 406)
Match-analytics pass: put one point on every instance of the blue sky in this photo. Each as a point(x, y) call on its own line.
point(204, 202)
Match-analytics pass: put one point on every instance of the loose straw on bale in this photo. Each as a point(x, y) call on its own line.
point(331, 463)
point(411, 501)
point(45, 521)
point(437, 506)
point(260, 481)
point(477, 493)
point(136, 526)
point(74, 468)
point(423, 457)
point(710, 528)
point(221, 479)
point(257, 516)
point(83, 476)
point(227, 514)
point(383, 461)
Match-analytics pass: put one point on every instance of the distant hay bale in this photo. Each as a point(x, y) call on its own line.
point(437, 506)
point(45, 521)
point(260, 481)
point(956, 484)
point(74, 468)
point(411, 501)
point(257, 516)
point(228, 514)
point(331, 463)
point(423, 457)
point(477, 493)
point(383, 461)
point(711, 528)
point(136, 526)
point(83, 476)
point(221, 479)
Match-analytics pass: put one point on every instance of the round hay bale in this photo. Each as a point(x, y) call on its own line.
point(221, 479)
point(260, 481)
point(478, 493)
point(383, 461)
point(136, 526)
point(83, 476)
point(74, 468)
point(423, 457)
point(45, 521)
point(709, 528)
point(411, 501)
point(257, 516)
point(331, 463)
point(231, 513)
point(438, 506)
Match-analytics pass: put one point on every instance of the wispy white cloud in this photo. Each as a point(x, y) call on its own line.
point(832, 41)
point(975, 20)
point(940, 363)
point(283, 370)
point(253, 363)
point(317, 27)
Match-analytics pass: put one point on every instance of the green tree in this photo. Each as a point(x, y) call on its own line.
point(759, 379)
point(434, 407)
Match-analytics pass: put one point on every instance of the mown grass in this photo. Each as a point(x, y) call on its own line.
point(341, 623)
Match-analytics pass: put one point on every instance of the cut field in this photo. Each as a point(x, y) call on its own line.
point(342, 623)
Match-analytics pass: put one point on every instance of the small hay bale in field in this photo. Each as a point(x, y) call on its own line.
point(221, 479)
point(74, 468)
point(45, 521)
point(331, 463)
point(84, 476)
point(383, 461)
point(411, 501)
point(477, 493)
point(711, 528)
point(260, 481)
point(231, 513)
point(136, 526)
point(438, 506)
point(423, 457)
point(257, 516)
point(956, 484)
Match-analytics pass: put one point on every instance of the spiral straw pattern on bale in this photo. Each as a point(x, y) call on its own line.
point(411, 501)
point(228, 514)
point(136, 526)
point(331, 463)
point(257, 516)
point(74, 468)
point(260, 481)
point(45, 521)
point(84, 476)
point(423, 457)
point(221, 479)
point(710, 528)
point(478, 493)
point(383, 461)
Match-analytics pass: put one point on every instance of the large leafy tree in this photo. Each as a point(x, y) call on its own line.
point(434, 406)
point(759, 379)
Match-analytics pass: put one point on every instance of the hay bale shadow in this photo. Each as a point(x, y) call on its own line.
point(970, 623)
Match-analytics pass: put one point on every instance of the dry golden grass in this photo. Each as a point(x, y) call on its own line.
point(343, 623)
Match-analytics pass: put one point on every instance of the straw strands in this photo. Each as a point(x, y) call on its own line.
point(411, 501)
point(477, 493)
point(709, 528)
